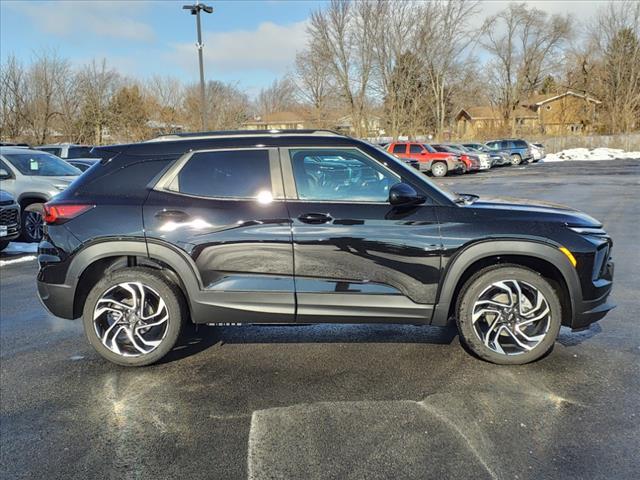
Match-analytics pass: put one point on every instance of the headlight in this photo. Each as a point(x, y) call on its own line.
point(588, 230)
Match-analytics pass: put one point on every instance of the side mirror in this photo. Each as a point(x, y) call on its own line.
point(402, 194)
point(4, 174)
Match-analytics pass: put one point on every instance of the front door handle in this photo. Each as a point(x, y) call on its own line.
point(174, 215)
point(315, 218)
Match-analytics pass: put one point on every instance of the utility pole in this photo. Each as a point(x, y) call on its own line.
point(195, 10)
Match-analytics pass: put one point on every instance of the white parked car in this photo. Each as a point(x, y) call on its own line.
point(33, 178)
point(537, 150)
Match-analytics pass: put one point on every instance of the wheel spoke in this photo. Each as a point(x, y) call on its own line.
point(518, 341)
point(515, 327)
point(479, 313)
point(131, 330)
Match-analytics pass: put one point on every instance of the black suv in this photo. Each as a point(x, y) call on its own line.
point(304, 227)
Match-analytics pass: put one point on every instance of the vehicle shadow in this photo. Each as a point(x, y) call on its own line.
point(568, 338)
point(196, 339)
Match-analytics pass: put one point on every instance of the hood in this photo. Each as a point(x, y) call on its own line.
point(538, 210)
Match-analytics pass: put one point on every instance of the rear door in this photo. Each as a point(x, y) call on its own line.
point(225, 210)
point(356, 257)
point(400, 150)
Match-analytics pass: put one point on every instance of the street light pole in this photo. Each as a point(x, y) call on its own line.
point(195, 10)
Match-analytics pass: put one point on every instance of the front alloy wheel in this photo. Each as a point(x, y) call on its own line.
point(32, 223)
point(511, 317)
point(133, 316)
point(509, 314)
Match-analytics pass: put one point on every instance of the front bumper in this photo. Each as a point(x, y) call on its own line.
point(590, 311)
point(9, 222)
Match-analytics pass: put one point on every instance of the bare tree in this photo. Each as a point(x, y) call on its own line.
point(343, 35)
point(399, 73)
point(12, 99)
point(616, 34)
point(97, 85)
point(228, 106)
point(165, 98)
point(314, 87)
point(445, 40)
point(279, 96)
point(526, 45)
point(44, 81)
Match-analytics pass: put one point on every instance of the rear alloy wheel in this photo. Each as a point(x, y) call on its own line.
point(439, 169)
point(134, 316)
point(509, 315)
point(516, 159)
point(33, 223)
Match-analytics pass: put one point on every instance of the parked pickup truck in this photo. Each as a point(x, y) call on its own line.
point(430, 161)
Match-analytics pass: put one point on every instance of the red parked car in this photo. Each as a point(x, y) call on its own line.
point(471, 162)
point(430, 161)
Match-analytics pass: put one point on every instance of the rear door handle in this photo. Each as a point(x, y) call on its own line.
point(175, 215)
point(315, 218)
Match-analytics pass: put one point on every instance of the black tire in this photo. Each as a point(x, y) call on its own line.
point(516, 159)
point(480, 281)
point(168, 291)
point(439, 169)
point(4, 244)
point(32, 223)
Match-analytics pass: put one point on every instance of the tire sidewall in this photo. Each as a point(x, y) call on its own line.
point(516, 159)
point(470, 293)
point(169, 294)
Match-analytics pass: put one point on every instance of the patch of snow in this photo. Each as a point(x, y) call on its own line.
point(20, 247)
point(27, 258)
point(591, 154)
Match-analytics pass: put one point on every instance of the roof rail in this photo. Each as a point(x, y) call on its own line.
point(241, 133)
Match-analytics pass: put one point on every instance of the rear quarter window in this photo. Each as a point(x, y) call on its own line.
point(130, 180)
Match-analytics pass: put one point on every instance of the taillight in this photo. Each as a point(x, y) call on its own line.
point(60, 213)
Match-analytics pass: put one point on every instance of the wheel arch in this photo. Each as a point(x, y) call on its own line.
point(27, 198)
point(541, 257)
point(92, 262)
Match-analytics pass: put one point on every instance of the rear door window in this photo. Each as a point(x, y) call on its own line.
point(399, 148)
point(225, 174)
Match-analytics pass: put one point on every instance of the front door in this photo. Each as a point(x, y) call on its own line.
point(356, 257)
point(225, 210)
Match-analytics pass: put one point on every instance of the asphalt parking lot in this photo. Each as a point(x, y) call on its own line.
point(338, 402)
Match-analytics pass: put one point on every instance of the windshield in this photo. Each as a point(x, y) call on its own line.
point(80, 152)
point(429, 148)
point(41, 164)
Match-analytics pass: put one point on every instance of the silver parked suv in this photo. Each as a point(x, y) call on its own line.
point(33, 178)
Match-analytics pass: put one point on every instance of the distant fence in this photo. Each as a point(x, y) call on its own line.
point(629, 143)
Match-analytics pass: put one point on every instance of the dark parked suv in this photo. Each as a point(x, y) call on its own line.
point(304, 227)
point(518, 150)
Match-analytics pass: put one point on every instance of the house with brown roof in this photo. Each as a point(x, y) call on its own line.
point(551, 114)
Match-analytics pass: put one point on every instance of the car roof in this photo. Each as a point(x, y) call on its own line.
point(55, 145)
point(169, 145)
point(4, 150)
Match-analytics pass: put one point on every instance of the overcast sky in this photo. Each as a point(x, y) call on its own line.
point(248, 42)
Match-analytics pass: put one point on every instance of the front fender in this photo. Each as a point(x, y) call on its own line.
point(475, 252)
